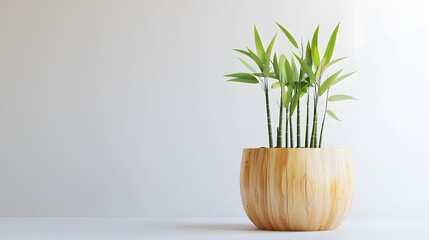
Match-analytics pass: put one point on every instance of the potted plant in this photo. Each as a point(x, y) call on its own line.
point(296, 184)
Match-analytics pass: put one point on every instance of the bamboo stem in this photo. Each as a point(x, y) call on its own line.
point(323, 121)
point(307, 120)
point(267, 107)
point(313, 142)
point(287, 129)
point(298, 107)
point(298, 123)
point(279, 129)
point(291, 130)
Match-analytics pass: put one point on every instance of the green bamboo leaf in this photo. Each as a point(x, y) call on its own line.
point(252, 55)
point(320, 69)
point(328, 83)
point(276, 66)
point(334, 61)
point(282, 69)
point(256, 59)
point(331, 45)
point(288, 35)
point(273, 76)
point(295, 72)
point(242, 51)
point(270, 75)
point(340, 97)
point(276, 85)
point(306, 68)
point(315, 56)
point(308, 59)
point(241, 80)
point(294, 103)
point(248, 66)
point(332, 114)
point(293, 64)
point(270, 48)
point(304, 87)
point(342, 77)
point(287, 97)
point(259, 47)
point(302, 92)
point(289, 73)
point(241, 75)
point(268, 56)
point(315, 38)
point(306, 79)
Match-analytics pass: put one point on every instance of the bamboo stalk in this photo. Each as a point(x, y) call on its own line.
point(279, 129)
point(323, 121)
point(291, 130)
point(298, 107)
point(298, 123)
point(307, 121)
point(287, 129)
point(267, 107)
point(313, 142)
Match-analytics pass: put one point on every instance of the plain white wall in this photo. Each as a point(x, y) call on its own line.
point(119, 108)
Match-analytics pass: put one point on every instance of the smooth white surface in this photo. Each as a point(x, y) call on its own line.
point(119, 108)
point(196, 228)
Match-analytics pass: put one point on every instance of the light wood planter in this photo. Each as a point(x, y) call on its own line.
point(297, 189)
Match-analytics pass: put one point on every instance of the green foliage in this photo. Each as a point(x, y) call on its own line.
point(334, 61)
point(268, 56)
point(330, 81)
point(276, 65)
point(331, 45)
point(307, 69)
point(289, 73)
point(315, 56)
point(297, 77)
point(308, 59)
point(242, 78)
point(315, 38)
point(276, 85)
point(248, 66)
point(288, 35)
point(257, 60)
point(252, 55)
point(342, 77)
point(259, 46)
point(332, 115)
point(241, 75)
point(340, 97)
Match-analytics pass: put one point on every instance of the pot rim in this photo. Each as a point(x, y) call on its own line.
point(302, 148)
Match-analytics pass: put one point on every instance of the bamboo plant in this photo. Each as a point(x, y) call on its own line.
point(299, 76)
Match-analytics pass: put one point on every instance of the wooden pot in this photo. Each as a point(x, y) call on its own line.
point(297, 189)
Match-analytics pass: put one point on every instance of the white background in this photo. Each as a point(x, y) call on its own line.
point(119, 108)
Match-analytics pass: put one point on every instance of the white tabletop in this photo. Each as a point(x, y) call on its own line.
point(197, 228)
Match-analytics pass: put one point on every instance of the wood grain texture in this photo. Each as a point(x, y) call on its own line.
point(306, 189)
